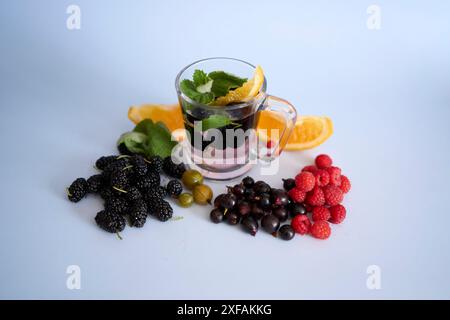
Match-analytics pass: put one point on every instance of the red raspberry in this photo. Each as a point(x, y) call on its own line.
point(345, 184)
point(321, 230)
point(297, 195)
point(333, 195)
point(338, 213)
point(322, 178)
point(311, 169)
point(320, 214)
point(301, 224)
point(323, 161)
point(315, 197)
point(335, 176)
point(305, 181)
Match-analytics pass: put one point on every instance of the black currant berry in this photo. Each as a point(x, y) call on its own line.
point(296, 208)
point(218, 199)
point(238, 190)
point(248, 182)
point(216, 215)
point(249, 194)
point(256, 211)
point(281, 213)
point(228, 201)
point(264, 201)
point(244, 208)
point(279, 197)
point(250, 225)
point(288, 184)
point(286, 232)
point(270, 223)
point(261, 187)
point(232, 218)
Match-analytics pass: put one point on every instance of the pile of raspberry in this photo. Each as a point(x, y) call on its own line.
point(321, 189)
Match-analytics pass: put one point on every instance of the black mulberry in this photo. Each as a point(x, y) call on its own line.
point(95, 183)
point(119, 180)
point(110, 221)
point(133, 194)
point(117, 165)
point(105, 161)
point(151, 180)
point(160, 191)
point(116, 205)
point(155, 164)
point(139, 165)
point(163, 211)
point(172, 169)
point(174, 188)
point(106, 193)
point(138, 214)
point(77, 190)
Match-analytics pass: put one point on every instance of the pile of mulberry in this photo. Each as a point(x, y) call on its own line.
point(131, 190)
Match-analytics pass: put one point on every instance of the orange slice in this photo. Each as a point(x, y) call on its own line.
point(248, 90)
point(309, 131)
point(170, 115)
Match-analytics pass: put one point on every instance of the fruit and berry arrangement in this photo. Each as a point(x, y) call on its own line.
point(143, 179)
point(307, 204)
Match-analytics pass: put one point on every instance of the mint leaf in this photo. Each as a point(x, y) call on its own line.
point(157, 141)
point(200, 78)
point(215, 121)
point(134, 141)
point(189, 89)
point(223, 82)
point(145, 127)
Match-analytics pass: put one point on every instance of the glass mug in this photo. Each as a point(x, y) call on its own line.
point(228, 150)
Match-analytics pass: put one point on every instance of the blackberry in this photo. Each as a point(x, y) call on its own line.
point(119, 180)
point(77, 190)
point(155, 164)
point(138, 214)
point(105, 161)
point(109, 221)
point(172, 169)
point(116, 205)
point(139, 165)
point(95, 183)
point(174, 188)
point(133, 194)
point(164, 211)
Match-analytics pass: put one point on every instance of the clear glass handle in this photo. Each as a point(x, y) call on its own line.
point(273, 136)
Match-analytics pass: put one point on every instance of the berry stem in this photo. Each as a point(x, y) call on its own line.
point(123, 156)
point(118, 236)
point(128, 167)
point(68, 193)
point(120, 190)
